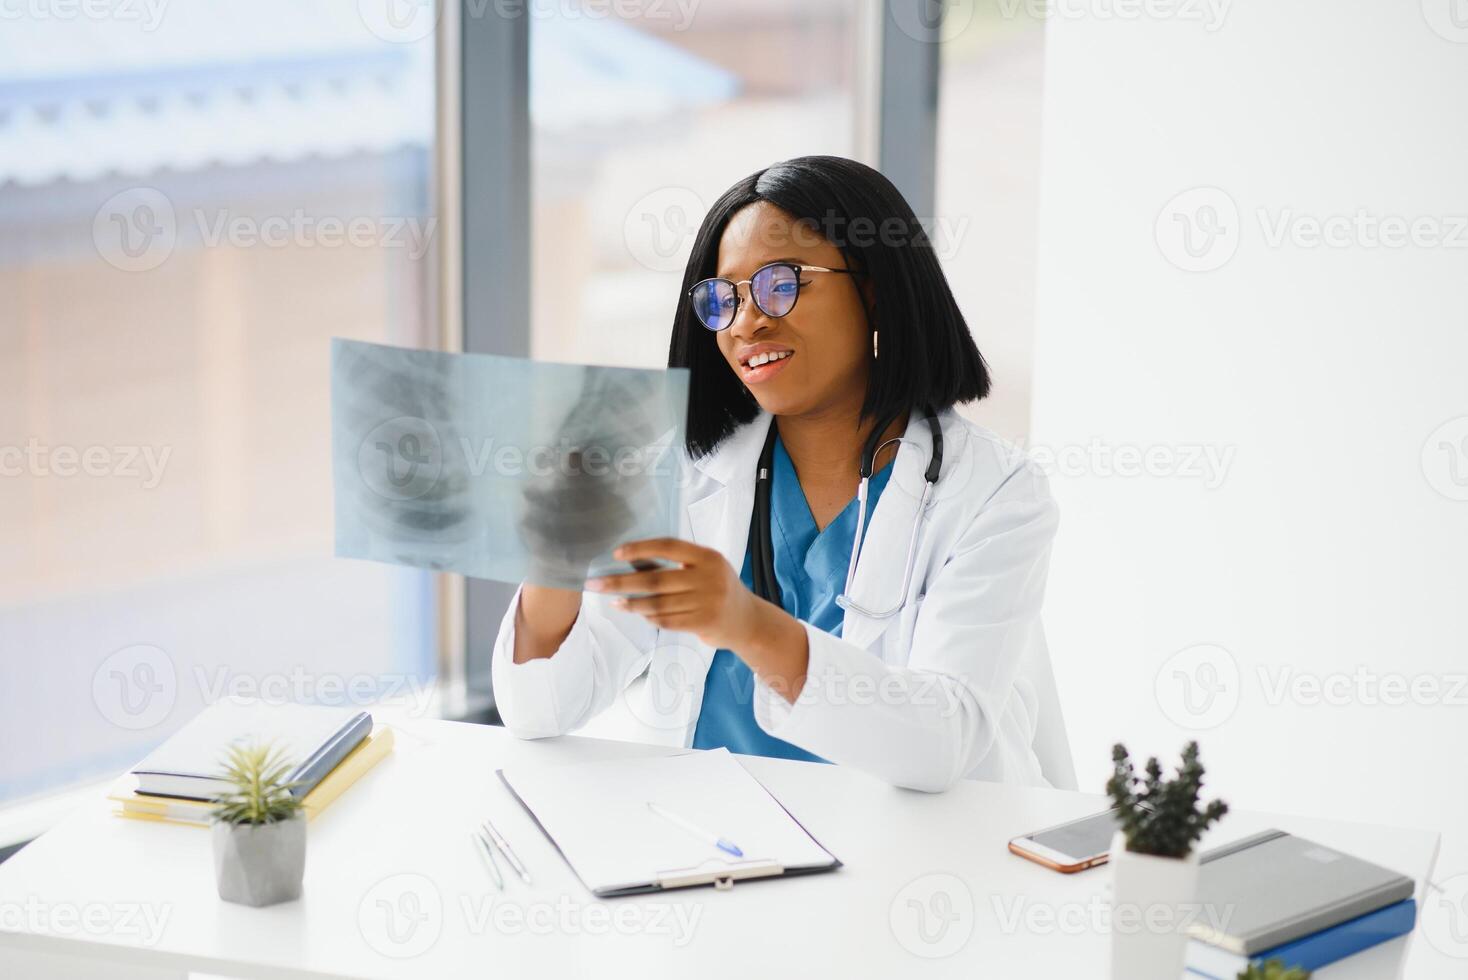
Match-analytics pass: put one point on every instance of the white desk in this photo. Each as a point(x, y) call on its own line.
point(404, 828)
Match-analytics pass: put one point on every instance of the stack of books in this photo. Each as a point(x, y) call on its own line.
point(1277, 896)
point(331, 748)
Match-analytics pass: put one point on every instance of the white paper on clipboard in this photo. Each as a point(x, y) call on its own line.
point(597, 815)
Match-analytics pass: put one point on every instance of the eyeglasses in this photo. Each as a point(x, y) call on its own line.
point(774, 289)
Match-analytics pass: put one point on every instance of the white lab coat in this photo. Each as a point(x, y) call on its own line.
point(934, 693)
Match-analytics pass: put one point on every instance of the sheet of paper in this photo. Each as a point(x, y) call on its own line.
point(500, 467)
point(597, 814)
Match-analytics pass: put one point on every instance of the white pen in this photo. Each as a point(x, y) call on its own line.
point(727, 846)
point(489, 862)
point(504, 846)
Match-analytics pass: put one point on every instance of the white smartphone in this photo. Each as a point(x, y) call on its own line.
point(1069, 847)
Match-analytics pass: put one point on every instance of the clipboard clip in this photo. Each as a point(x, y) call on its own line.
point(719, 873)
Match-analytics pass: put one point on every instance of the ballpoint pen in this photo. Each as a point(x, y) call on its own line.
point(728, 847)
point(504, 846)
point(489, 862)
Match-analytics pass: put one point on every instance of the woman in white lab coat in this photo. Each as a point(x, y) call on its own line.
point(820, 335)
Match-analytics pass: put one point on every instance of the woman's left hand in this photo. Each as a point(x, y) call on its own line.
point(704, 597)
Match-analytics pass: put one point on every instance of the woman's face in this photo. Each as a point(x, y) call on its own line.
point(825, 339)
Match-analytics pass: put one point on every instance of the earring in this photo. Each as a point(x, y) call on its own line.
point(874, 344)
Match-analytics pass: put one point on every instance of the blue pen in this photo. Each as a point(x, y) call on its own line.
point(728, 847)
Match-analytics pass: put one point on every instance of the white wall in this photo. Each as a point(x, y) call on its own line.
point(1336, 536)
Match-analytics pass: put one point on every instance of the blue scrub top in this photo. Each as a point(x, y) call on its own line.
point(810, 565)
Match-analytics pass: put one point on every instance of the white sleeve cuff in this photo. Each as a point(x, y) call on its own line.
point(777, 716)
point(535, 698)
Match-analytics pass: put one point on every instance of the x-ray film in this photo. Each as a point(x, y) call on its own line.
point(499, 467)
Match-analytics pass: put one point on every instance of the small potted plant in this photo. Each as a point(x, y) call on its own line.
point(1154, 868)
point(1273, 970)
point(259, 830)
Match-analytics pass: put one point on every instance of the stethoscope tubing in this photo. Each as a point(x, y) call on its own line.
point(844, 600)
point(762, 568)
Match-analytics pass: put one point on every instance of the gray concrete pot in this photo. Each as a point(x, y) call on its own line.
point(260, 864)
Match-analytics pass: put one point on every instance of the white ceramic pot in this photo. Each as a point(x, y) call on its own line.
point(260, 865)
point(1152, 899)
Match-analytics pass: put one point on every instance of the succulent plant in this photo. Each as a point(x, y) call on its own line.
point(1274, 970)
point(1161, 816)
point(261, 793)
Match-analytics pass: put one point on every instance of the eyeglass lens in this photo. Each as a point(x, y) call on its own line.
point(774, 289)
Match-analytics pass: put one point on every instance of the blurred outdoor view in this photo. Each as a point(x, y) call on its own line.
point(189, 209)
point(622, 173)
point(989, 191)
point(195, 198)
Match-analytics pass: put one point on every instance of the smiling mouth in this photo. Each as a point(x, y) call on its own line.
point(765, 357)
point(764, 366)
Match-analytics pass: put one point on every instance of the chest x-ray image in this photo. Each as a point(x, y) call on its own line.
point(500, 467)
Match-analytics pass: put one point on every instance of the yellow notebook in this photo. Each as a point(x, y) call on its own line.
point(195, 813)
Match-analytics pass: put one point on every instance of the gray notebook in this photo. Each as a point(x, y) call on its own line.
point(314, 738)
point(1274, 888)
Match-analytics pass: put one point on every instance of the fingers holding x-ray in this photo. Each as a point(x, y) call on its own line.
point(499, 467)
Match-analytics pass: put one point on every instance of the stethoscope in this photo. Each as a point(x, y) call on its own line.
point(762, 556)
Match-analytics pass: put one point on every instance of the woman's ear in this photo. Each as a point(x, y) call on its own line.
point(868, 295)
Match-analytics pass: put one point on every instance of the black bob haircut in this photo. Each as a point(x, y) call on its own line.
point(927, 354)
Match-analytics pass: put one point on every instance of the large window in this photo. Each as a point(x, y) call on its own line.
point(639, 122)
point(988, 183)
point(193, 199)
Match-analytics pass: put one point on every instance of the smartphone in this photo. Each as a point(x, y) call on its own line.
point(1072, 846)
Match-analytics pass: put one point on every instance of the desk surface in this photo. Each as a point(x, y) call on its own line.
point(393, 888)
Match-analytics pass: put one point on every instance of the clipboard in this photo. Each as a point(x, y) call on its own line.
point(596, 816)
